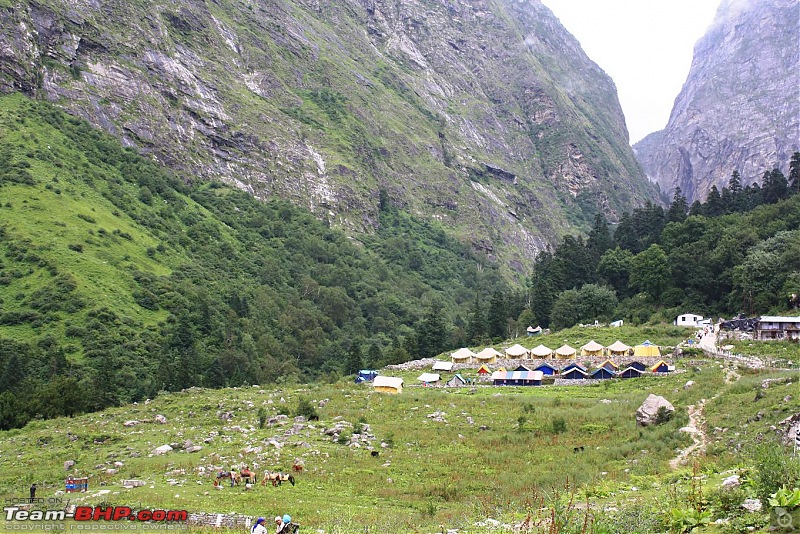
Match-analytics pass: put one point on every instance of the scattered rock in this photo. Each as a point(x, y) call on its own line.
point(647, 414)
point(732, 482)
point(164, 449)
point(752, 505)
point(688, 384)
point(130, 423)
point(160, 419)
point(194, 448)
point(69, 464)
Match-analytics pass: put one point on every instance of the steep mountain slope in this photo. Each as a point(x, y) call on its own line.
point(740, 106)
point(486, 115)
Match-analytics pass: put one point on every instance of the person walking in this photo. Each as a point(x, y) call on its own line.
point(33, 491)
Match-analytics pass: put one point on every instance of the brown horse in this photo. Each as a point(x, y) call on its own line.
point(247, 476)
point(277, 478)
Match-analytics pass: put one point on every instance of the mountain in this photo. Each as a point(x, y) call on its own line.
point(740, 106)
point(485, 115)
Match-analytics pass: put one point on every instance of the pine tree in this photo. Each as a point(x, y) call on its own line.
point(713, 205)
point(600, 239)
point(794, 173)
point(355, 362)
point(735, 188)
point(496, 321)
point(679, 208)
point(476, 327)
point(774, 187)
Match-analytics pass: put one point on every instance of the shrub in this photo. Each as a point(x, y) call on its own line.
point(663, 415)
point(306, 409)
point(262, 417)
point(774, 468)
point(558, 425)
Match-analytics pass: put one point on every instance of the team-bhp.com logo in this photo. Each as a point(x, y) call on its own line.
point(21, 514)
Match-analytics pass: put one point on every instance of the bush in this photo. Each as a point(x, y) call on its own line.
point(774, 468)
point(306, 409)
point(558, 425)
point(663, 415)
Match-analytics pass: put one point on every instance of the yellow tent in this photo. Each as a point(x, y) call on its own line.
point(388, 384)
point(646, 350)
point(592, 348)
point(541, 352)
point(565, 352)
point(462, 355)
point(618, 349)
point(487, 355)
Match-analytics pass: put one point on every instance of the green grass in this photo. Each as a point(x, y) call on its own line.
point(480, 463)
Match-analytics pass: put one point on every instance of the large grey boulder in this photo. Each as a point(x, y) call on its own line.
point(647, 414)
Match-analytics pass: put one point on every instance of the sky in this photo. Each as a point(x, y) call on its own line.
point(644, 45)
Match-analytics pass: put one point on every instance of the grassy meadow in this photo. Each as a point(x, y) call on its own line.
point(448, 458)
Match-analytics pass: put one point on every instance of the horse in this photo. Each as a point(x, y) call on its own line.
point(247, 476)
point(297, 467)
point(233, 476)
point(277, 478)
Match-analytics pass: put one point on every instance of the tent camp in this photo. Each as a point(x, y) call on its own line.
point(541, 352)
point(639, 366)
point(592, 348)
point(630, 372)
point(456, 382)
point(443, 366)
point(646, 350)
point(388, 384)
point(660, 367)
point(517, 378)
point(533, 331)
point(483, 370)
point(575, 373)
point(365, 375)
point(602, 373)
point(517, 351)
point(565, 352)
point(522, 367)
point(573, 366)
point(462, 355)
point(428, 378)
point(547, 369)
point(618, 349)
point(487, 355)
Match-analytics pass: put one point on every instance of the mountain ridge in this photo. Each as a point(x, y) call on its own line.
point(739, 109)
point(484, 115)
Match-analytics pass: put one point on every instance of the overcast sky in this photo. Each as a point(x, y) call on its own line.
point(644, 45)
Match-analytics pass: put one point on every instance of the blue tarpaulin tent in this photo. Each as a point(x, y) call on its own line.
point(365, 375)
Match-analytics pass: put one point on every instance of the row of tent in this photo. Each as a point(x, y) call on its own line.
point(521, 376)
point(618, 349)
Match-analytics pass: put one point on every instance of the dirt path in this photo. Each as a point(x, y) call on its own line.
point(696, 430)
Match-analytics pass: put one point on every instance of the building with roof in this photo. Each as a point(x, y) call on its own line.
point(771, 327)
point(688, 319)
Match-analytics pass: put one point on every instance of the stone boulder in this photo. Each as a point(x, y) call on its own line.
point(69, 464)
point(164, 449)
point(160, 419)
point(647, 414)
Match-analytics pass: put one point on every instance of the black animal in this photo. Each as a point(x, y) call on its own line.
point(375, 454)
point(576, 450)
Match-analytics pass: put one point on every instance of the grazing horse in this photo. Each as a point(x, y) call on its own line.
point(297, 467)
point(247, 476)
point(276, 478)
point(233, 476)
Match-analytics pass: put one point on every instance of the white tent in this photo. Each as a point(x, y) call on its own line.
point(487, 355)
point(592, 348)
point(541, 352)
point(517, 351)
point(430, 378)
point(565, 351)
point(618, 348)
point(462, 355)
point(443, 366)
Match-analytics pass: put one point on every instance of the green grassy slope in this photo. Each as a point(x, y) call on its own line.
point(498, 452)
point(109, 262)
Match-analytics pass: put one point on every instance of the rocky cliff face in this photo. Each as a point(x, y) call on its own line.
point(740, 106)
point(484, 114)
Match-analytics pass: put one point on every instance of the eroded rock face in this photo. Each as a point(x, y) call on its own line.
point(647, 414)
point(485, 115)
point(740, 106)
